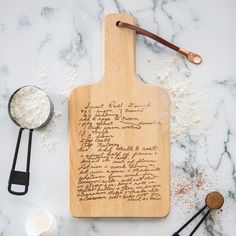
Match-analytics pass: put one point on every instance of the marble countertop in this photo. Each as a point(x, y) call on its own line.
point(57, 45)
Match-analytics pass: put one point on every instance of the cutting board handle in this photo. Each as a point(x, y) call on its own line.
point(119, 48)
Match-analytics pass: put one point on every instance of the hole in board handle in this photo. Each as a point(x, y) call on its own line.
point(118, 23)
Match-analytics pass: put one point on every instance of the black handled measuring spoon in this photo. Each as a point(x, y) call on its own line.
point(213, 201)
point(30, 108)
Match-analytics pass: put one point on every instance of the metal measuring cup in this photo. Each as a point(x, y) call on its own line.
point(22, 177)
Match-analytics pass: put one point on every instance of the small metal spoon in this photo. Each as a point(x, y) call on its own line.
point(213, 201)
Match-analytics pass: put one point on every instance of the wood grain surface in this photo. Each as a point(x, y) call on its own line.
point(119, 137)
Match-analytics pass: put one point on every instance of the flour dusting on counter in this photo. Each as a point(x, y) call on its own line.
point(186, 107)
point(71, 82)
point(51, 135)
point(48, 142)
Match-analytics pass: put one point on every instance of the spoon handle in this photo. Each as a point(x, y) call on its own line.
point(203, 218)
point(189, 221)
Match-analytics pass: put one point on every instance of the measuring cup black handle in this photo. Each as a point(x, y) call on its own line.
point(20, 177)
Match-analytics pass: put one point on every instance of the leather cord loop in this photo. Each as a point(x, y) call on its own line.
point(191, 56)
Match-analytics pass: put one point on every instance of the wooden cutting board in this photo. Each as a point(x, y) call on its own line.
point(119, 137)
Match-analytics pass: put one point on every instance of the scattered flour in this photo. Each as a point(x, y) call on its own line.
point(51, 135)
point(47, 139)
point(71, 81)
point(30, 107)
point(186, 107)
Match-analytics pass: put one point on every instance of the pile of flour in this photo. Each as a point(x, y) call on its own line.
point(30, 107)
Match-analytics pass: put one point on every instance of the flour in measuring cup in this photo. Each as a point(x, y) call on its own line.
point(30, 107)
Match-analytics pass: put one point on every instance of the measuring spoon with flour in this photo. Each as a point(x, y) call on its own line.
point(30, 108)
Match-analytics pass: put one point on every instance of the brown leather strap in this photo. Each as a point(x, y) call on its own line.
point(148, 34)
point(191, 56)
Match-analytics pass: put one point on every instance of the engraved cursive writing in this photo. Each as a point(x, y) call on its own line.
point(109, 168)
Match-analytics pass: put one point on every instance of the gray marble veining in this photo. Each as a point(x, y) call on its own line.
point(58, 44)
